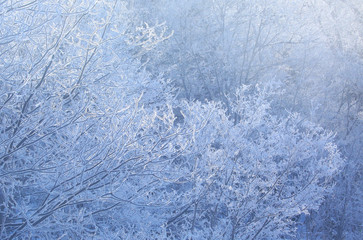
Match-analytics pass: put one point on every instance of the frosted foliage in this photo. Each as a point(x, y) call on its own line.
point(253, 178)
point(130, 120)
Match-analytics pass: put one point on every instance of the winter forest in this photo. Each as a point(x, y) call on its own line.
point(181, 119)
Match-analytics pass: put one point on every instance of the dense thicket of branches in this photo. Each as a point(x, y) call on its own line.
point(181, 119)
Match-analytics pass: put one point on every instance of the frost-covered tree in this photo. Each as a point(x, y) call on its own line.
point(310, 50)
point(70, 107)
point(251, 179)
